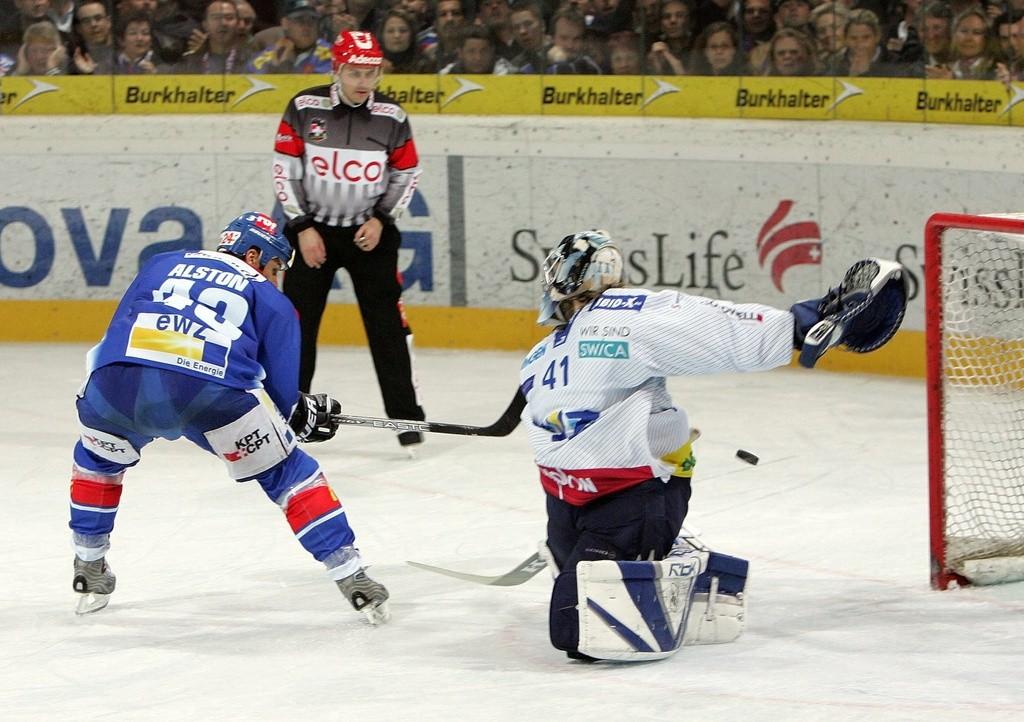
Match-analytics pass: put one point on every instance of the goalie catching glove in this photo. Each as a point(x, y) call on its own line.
point(314, 417)
point(862, 313)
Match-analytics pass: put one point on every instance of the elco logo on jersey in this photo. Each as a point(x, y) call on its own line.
point(619, 303)
point(347, 166)
point(248, 444)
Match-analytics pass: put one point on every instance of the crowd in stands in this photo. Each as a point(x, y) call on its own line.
point(957, 39)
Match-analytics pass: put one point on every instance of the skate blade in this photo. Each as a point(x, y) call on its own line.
point(378, 614)
point(91, 602)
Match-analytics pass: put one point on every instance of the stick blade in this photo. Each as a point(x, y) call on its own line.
point(525, 571)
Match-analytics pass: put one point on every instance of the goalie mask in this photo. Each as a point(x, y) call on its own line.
point(256, 230)
point(581, 265)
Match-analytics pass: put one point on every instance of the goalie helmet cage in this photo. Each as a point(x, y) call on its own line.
point(974, 306)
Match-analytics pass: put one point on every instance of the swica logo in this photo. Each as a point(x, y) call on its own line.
point(795, 244)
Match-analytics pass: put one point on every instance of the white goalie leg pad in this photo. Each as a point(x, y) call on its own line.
point(635, 611)
point(718, 612)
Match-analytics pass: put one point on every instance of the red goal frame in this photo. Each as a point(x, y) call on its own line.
point(941, 576)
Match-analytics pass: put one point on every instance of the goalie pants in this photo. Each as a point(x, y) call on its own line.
point(126, 406)
point(378, 287)
point(640, 522)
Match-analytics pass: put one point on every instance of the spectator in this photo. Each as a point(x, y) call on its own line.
point(626, 53)
point(496, 15)
point(936, 30)
point(648, 20)
point(975, 49)
point(904, 41)
point(366, 14)
point(449, 21)
point(566, 55)
point(335, 17)
point(790, 53)
point(62, 14)
point(794, 14)
point(41, 52)
point(220, 53)
point(756, 32)
point(714, 11)
point(829, 22)
point(1013, 69)
point(477, 54)
point(426, 37)
point(717, 52)
point(301, 50)
point(133, 34)
point(170, 26)
point(398, 40)
point(347, 218)
point(246, 26)
point(674, 40)
point(1002, 24)
point(94, 52)
point(29, 12)
point(864, 55)
point(528, 25)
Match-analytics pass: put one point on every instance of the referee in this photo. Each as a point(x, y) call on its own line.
point(345, 167)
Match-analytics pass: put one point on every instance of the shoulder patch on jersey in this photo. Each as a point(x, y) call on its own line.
point(619, 303)
point(312, 101)
point(389, 110)
point(534, 355)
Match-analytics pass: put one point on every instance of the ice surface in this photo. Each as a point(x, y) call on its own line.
point(220, 614)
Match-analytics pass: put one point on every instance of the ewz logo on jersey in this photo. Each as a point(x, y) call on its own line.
point(619, 303)
point(616, 350)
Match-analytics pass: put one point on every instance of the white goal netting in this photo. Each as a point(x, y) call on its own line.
point(982, 401)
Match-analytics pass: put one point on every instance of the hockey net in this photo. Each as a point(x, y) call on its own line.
point(974, 304)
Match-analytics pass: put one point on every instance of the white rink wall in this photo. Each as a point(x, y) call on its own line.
point(771, 211)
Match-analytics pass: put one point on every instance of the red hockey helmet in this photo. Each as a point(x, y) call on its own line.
point(354, 47)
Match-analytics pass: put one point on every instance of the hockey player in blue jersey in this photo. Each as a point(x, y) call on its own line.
point(612, 449)
point(204, 345)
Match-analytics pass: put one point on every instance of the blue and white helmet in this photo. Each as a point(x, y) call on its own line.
point(584, 264)
point(256, 230)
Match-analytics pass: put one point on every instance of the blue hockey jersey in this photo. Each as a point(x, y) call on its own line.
point(209, 315)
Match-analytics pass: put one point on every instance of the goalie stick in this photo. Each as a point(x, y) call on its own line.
point(502, 427)
point(523, 572)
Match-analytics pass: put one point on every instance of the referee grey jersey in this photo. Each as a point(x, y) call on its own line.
point(339, 165)
point(598, 415)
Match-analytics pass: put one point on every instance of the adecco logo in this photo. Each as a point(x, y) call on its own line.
point(794, 244)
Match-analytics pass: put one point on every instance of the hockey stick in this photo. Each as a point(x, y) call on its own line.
point(502, 427)
point(523, 572)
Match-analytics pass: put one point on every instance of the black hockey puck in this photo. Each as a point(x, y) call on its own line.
point(747, 457)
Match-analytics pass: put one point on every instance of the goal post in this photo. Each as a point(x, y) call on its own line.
point(974, 311)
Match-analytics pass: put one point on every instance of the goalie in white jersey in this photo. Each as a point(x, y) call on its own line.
point(612, 448)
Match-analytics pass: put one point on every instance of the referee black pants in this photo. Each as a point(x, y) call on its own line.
point(378, 289)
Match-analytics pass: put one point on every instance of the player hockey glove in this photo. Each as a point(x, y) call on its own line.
point(862, 313)
point(313, 419)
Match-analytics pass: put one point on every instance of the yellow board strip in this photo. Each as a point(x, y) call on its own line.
point(497, 329)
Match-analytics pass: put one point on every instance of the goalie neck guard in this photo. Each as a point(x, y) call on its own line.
point(256, 230)
point(584, 264)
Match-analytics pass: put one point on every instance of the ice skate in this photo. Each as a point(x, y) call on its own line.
point(367, 596)
point(94, 581)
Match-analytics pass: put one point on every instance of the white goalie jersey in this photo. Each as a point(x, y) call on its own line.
point(598, 415)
